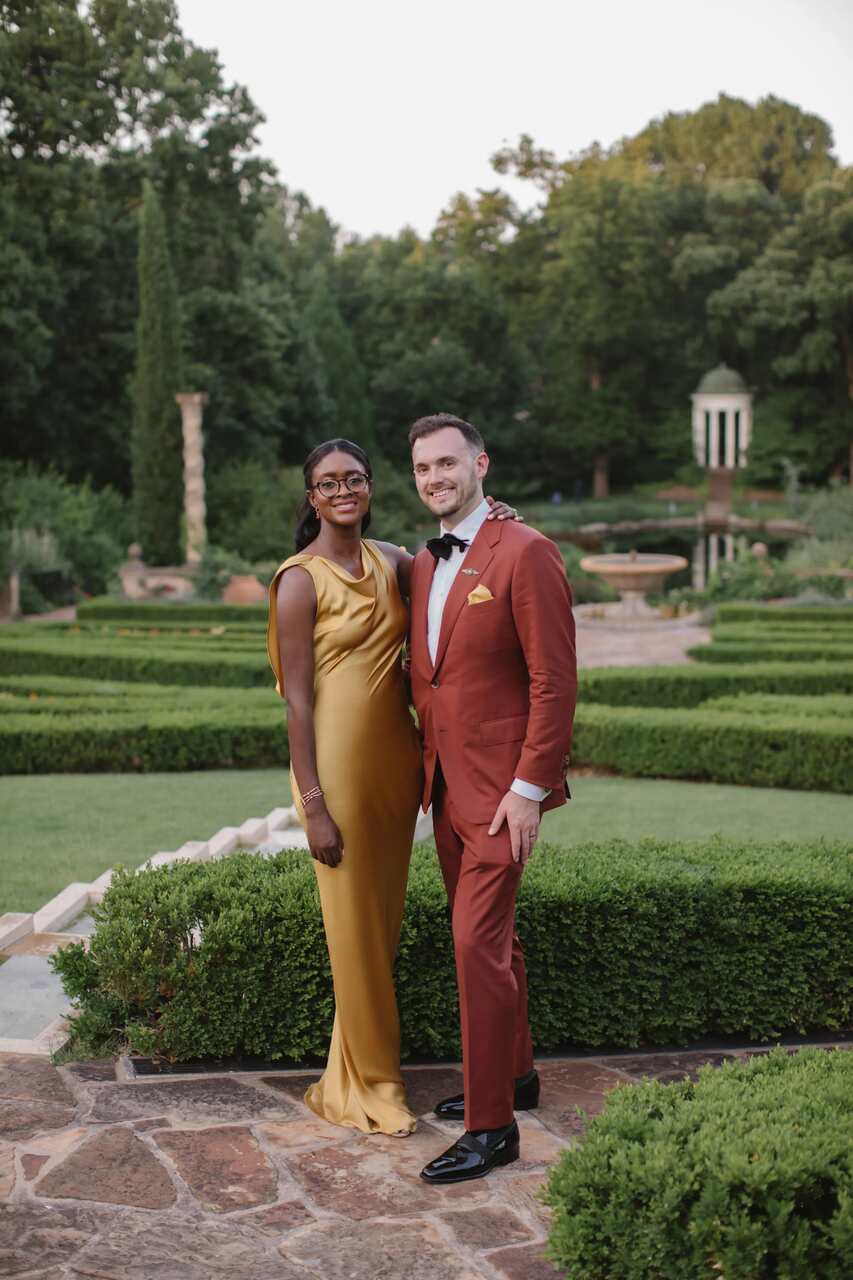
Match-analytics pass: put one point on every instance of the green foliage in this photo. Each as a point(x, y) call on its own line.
point(628, 944)
point(136, 659)
point(147, 613)
point(688, 686)
point(745, 1173)
point(215, 570)
point(64, 539)
point(802, 753)
point(773, 704)
point(784, 615)
point(750, 577)
point(252, 509)
point(157, 447)
point(779, 651)
point(60, 724)
point(829, 513)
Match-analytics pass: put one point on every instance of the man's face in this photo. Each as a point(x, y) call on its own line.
point(449, 477)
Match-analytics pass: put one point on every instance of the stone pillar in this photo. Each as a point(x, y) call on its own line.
point(714, 441)
point(192, 405)
point(731, 460)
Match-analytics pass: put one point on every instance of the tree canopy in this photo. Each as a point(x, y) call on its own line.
point(572, 334)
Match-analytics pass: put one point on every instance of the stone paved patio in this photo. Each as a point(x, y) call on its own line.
point(230, 1177)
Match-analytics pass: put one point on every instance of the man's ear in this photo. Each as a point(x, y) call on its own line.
point(481, 463)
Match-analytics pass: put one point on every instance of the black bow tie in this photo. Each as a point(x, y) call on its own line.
point(442, 547)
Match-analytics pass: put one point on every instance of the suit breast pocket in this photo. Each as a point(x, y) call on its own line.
point(488, 625)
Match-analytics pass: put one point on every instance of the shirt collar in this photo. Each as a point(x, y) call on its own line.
point(470, 526)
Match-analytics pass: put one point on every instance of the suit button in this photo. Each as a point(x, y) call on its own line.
point(433, 684)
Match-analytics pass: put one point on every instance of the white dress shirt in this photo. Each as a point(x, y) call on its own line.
point(443, 579)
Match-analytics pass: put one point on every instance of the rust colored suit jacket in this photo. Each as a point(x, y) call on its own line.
point(499, 701)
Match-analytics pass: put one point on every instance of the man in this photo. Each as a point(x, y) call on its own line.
point(494, 683)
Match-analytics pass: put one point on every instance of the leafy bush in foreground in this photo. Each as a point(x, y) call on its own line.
point(626, 944)
point(745, 1174)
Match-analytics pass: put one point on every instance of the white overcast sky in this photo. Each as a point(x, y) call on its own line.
point(381, 110)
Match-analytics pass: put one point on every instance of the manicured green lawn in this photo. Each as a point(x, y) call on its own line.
point(67, 827)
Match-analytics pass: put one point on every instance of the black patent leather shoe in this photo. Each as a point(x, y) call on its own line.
point(474, 1155)
point(526, 1098)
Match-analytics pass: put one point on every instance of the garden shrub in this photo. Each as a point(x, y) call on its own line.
point(804, 753)
point(785, 614)
point(836, 705)
point(792, 633)
point(770, 651)
point(146, 612)
point(745, 1174)
point(158, 741)
point(62, 724)
point(143, 660)
point(627, 945)
point(688, 686)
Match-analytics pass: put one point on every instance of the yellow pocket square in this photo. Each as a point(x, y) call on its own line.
point(480, 595)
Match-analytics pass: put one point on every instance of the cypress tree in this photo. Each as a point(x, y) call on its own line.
point(157, 441)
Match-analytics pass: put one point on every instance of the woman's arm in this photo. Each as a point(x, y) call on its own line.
point(296, 610)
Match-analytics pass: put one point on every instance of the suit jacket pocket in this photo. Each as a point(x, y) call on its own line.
point(507, 729)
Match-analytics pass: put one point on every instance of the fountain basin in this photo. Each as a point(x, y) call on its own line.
point(633, 574)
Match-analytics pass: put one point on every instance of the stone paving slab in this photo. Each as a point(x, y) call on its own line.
point(233, 1178)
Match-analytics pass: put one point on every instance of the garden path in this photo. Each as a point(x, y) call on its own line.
point(230, 1177)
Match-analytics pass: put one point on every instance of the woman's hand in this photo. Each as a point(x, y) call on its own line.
point(502, 511)
point(324, 838)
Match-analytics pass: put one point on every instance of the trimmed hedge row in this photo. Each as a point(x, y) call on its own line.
point(145, 661)
point(627, 945)
point(688, 686)
point(148, 739)
point(770, 614)
point(104, 609)
point(799, 752)
point(836, 633)
point(836, 706)
point(768, 651)
point(744, 1174)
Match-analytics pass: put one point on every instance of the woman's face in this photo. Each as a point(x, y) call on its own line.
point(329, 494)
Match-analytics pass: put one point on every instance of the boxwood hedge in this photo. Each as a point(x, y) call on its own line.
point(836, 705)
point(770, 614)
point(805, 753)
point(689, 685)
point(135, 660)
point(146, 612)
point(626, 944)
point(746, 1174)
point(771, 651)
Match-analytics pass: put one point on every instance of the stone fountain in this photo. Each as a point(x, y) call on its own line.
point(634, 574)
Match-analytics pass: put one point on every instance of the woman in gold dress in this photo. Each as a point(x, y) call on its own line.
point(337, 623)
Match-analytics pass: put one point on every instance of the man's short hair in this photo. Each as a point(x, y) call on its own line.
point(438, 421)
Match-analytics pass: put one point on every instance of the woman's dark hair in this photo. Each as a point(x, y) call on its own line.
point(307, 520)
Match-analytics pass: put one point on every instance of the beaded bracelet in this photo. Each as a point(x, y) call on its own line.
point(313, 794)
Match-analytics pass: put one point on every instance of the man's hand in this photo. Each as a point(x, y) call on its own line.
point(522, 817)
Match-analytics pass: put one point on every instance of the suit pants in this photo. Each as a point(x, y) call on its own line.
point(482, 882)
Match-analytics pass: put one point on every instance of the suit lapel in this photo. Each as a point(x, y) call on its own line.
point(423, 571)
point(479, 556)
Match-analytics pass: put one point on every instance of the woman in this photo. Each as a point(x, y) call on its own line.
point(338, 619)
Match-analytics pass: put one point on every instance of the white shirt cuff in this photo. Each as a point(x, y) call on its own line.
point(529, 790)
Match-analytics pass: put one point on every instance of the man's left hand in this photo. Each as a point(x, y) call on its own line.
point(522, 817)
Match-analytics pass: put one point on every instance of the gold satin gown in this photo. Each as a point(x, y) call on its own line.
point(370, 765)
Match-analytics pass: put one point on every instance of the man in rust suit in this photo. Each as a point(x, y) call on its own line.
point(494, 683)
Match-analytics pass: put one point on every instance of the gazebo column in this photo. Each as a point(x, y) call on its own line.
point(731, 460)
point(714, 440)
point(192, 406)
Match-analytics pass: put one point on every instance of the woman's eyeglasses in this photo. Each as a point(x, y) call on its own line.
point(355, 483)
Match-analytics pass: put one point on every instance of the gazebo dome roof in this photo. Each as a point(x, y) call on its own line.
point(722, 381)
